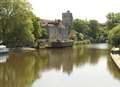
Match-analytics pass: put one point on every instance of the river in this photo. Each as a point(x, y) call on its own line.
point(80, 66)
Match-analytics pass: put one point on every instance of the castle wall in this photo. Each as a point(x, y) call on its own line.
point(59, 30)
point(57, 34)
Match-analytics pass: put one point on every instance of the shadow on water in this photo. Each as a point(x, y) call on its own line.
point(22, 68)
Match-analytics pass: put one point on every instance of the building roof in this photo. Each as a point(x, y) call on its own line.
point(52, 23)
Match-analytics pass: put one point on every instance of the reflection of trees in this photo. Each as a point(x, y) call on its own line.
point(113, 68)
point(89, 55)
point(20, 70)
point(68, 57)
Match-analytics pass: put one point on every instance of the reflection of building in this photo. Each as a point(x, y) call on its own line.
point(58, 60)
point(59, 30)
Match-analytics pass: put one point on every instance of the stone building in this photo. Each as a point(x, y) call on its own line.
point(67, 19)
point(59, 30)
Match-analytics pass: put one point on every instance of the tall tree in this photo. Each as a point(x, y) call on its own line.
point(94, 27)
point(38, 31)
point(80, 26)
point(114, 36)
point(15, 22)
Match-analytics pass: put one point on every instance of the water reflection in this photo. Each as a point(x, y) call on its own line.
point(3, 58)
point(22, 69)
point(67, 58)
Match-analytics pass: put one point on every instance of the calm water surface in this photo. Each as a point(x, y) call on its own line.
point(80, 66)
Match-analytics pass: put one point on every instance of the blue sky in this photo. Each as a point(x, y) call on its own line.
point(83, 9)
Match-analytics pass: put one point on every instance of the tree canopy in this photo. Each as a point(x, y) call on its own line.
point(114, 36)
point(91, 30)
point(18, 25)
point(15, 22)
point(113, 19)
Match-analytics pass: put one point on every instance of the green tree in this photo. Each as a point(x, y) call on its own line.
point(94, 28)
point(114, 36)
point(38, 31)
point(113, 19)
point(15, 23)
point(80, 26)
point(36, 27)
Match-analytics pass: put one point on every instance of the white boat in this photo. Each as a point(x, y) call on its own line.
point(3, 49)
point(115, 49)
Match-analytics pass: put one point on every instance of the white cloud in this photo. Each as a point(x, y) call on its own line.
point(90, 9)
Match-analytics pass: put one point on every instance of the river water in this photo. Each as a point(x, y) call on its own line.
point(80, 66)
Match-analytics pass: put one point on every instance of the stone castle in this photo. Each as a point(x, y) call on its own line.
point(58, 30)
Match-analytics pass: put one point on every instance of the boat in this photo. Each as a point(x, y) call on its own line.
point(3, 49)
point(116, 59)
point(115, 55)
point(115, 50)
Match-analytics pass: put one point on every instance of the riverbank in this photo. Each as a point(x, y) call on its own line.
point(45, 46)
point(82, 42)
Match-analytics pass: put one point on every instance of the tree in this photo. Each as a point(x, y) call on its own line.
point(36, 27)
point(113, 19)
point(80, 26)
point(94, 28)
point(15, 23)
point(38, 31)
point(114, 36)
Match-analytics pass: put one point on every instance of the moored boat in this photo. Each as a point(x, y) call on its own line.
point(3, 49)
point(115, 55)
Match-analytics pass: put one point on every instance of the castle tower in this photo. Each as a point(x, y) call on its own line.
point(67, 19)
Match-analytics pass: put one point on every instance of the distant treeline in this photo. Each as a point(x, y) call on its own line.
point(98, 32)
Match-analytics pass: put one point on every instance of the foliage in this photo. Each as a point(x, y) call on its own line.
point(94, 27)
point(38, 31)
point(15, 23)
point(91, 30)
point(80, 36)
point(114, 36)
point(113, 19)
point(80, 26)
point(73, 35)
point(36, 27)
point(44, 34)
point(101, 35)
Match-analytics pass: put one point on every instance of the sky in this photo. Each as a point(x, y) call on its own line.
point(82, 9)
